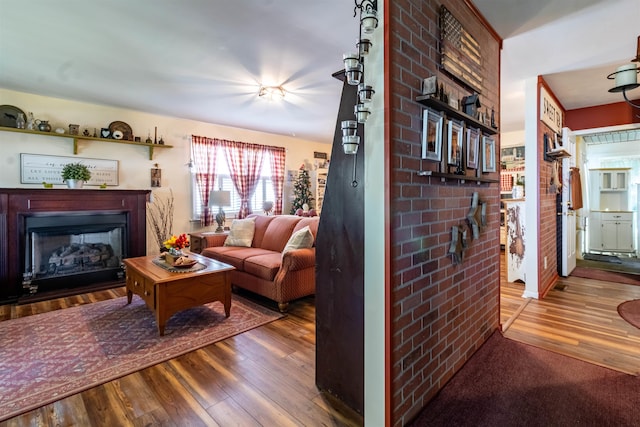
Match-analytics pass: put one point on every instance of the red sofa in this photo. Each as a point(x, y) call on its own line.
point(263, 268)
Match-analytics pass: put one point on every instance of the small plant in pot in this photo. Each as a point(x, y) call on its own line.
point(75, 174)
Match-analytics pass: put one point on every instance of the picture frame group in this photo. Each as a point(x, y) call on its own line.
point(466, 148)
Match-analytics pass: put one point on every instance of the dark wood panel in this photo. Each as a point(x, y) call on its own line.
point(340, 271)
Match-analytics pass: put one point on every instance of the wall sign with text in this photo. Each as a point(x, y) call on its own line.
point(37, 168)
point(550, 112)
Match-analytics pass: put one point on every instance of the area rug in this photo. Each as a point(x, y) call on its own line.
point(48, 356)
point(630, 311)
point(507, 383)
point(606, 275)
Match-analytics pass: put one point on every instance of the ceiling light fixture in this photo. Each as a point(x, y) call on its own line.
point(271, 93)
point(626, 77)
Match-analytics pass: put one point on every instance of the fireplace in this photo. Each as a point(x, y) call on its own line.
point(70, 249)
point(56, 242)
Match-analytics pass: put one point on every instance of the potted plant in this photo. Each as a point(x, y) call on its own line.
point(75, 174)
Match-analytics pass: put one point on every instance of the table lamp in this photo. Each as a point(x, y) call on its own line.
point(220, 198)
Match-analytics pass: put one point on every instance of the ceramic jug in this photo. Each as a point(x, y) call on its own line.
point(43, 125)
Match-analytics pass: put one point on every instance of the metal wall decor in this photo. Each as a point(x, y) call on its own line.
point(460, 52)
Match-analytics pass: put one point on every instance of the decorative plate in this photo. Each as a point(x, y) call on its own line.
point(9, 114)
point(117, 134)
point(186, 264)
point(127, 133)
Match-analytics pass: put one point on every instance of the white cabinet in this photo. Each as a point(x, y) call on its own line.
point(613, 179)
point(320, 185)
point(611, 232)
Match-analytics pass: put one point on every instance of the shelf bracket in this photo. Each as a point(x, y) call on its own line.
point(150, 153)
point(75, 145)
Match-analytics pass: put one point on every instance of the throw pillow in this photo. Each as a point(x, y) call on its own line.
point(302, 238)
point(241, 232)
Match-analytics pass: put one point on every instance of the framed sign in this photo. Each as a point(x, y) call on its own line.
point(550, 112)
point(431, 135)
point(37, 168)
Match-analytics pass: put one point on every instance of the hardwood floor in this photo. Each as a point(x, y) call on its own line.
point(263, 377)
point(578, 318)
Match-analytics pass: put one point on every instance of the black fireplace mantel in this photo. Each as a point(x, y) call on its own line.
point(17, 203)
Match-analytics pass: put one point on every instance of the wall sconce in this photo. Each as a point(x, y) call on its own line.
point(351, 60)
point(220, 198)
point(365, 92)
point(361, 112)
point(354, 75)
point(363, 46)
point(626, 77)
point(271, 92)
point(350, 144)
point(369, 20)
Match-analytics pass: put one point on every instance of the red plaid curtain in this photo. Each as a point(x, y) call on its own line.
point(203, 153)
point(277, 176)
point(245, 165)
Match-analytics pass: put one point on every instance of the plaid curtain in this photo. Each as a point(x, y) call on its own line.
point(277, 176)
point(245, 165)
point(203, 153)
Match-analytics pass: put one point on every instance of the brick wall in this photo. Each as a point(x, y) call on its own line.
point(547, 232)
point(441, 312)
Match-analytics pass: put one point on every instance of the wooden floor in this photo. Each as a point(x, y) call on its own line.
point(263, 377)
point(577, 318)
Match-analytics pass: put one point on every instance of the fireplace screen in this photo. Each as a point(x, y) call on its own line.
point(60, 246)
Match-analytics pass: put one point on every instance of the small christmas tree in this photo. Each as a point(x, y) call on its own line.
point(302, 191)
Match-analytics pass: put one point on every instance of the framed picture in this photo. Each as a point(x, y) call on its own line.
point(488, 154)
point(455, 140)
point(431, 135)
point(473, 145)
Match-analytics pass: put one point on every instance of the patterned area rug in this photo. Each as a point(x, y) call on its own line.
point(48, 356)
point(630, 311)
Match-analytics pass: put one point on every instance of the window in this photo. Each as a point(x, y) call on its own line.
point(262, 193)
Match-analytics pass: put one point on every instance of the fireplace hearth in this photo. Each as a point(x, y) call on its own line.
point(57, 242)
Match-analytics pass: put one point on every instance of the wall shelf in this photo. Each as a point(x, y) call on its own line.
point(435, 103)
point(461, 178)
point(77, 138)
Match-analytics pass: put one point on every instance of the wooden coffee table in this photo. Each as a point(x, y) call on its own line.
point(166, 292)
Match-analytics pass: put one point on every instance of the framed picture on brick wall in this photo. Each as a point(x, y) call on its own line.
point(431, 135)
point(488, 154)
point(455, 139)
point(473, 145)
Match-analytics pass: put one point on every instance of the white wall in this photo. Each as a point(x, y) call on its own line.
point(134, 163)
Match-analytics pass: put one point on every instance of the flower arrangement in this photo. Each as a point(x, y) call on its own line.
point(176, 243)
point(76, 171)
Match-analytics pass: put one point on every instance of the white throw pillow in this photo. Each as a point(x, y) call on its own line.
point(302, 238)
point(241, 233)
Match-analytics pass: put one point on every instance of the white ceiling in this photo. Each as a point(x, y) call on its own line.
point(205, 59)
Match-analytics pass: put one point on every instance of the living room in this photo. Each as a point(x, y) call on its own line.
point(479, 268)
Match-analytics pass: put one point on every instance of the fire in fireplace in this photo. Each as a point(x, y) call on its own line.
point(69, 249)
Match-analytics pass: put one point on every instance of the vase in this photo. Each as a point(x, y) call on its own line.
point(171, 258)
point(74, 183)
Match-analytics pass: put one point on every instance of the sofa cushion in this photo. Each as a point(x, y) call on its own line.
point(278, 232)
point(233, 255)
point(300, 239)
point(241, 233)
point(312, 223)
point(265, 266)
point(262, 221)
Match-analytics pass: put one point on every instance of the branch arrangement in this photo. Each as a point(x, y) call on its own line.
point(160, 218)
